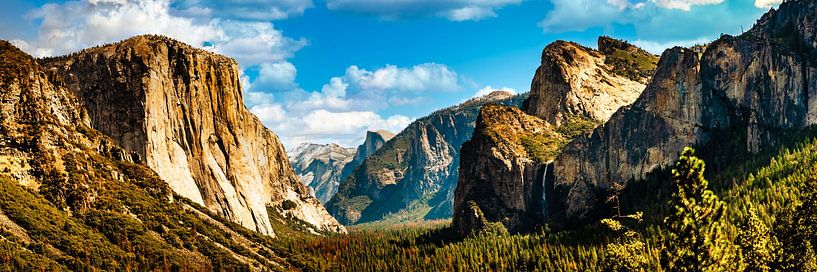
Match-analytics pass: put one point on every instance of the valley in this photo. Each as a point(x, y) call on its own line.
point(153, 154)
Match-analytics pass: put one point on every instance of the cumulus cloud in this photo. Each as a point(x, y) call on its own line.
point(455, 10)
point(765, 4)
point(422, 77)
point(346, 106)
point(74, 25)
point(275, 77)
point(488, 89)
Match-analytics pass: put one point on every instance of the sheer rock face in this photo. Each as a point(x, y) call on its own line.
point(319, 167)
point(498, 174)
point(764, 81)
point(573, 80)
point(181, 109)
point(413, 176)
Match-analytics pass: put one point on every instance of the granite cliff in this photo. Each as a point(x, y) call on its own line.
point(413, 176)
point(323, 167)
point(319, 166)
point(761, 84)
point(180, 110)
point(72, 199)
point(506, 165)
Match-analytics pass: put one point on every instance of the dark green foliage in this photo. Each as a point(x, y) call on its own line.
point(797, 231)
point(576, 126)
point(695, 238)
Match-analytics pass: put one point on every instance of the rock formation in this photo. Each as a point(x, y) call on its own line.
point(413, 176)
point(573, 80)
point(503, 169)
point(75, 200)
point(323, 167)
point(763, 83)
point(180, 109)
point(504, 166)
point(319, 167)
point(374, 141)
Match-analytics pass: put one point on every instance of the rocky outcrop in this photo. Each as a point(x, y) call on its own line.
point(79, 197)
point(762, 83)
point(319, 167)
point(504, 166)
point(413, 176)
point(575, 81)
point(373, 142)
point(181, 110)
point(323, 167)
point(503, 170)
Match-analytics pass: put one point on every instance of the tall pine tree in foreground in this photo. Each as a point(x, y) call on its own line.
point(695, 238)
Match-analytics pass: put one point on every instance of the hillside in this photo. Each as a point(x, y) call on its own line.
point(507, 163)
point(72, 199)
point(413, 176)
point(181, 111)
point(759, 85)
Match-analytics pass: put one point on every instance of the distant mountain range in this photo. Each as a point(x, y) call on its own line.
point(323, 166)
point(412, 177)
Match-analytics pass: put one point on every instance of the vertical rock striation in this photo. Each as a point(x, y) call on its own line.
point(506, 163)
point(181, 109)
point(413, 176)
point(763, 82)
point(319, 167)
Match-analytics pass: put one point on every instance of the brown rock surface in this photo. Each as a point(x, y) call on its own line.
point(181, 110)
point(573, 80)
point(763, 82)
point(503, 169)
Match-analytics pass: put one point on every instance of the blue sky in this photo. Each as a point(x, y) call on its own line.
point(327, 71)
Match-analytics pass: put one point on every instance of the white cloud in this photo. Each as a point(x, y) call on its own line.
point(74, 25)
point(79, 24)
point(346, 106)
point(579, 15)
point(659, 47)
point(269, 113)
point(253, 43)
point(418, 78)
point(346, 128)
point(275, 77)
point(685, 5)
point(765, 4)
point(455, 10)
point(469, 14)
point(488, 89)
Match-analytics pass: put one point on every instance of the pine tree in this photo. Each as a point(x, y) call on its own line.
point(797, 232)
point(756, 243)
point(695, 240)
point(628, 253)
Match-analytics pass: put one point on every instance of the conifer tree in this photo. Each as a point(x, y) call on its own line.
point(695, 240)
point(628, 253)
point(756, 243)
point(797, 232)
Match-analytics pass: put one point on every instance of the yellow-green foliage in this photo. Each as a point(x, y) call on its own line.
point(695, 238)
point(577, 125)
point(542, 148)
point(633, 66)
